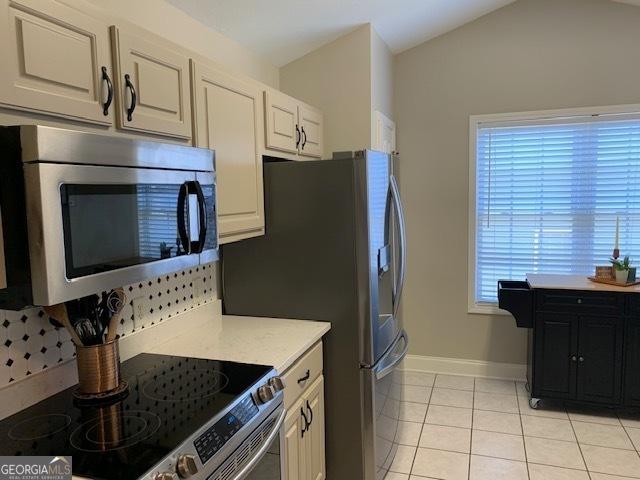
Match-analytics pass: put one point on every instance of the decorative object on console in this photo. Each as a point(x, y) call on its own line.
point(604, 272)
point(616, 246)
point(621, 268)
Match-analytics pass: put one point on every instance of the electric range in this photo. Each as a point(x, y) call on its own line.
point(183, 417)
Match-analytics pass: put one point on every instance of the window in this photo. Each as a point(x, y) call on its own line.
point(545, 192)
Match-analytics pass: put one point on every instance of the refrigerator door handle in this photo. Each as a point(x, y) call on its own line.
point(383, 369)
point(402, 251)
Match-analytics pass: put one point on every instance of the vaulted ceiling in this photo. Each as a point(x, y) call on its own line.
point(283, 30)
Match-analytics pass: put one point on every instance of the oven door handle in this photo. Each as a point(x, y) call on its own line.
point(263, 450)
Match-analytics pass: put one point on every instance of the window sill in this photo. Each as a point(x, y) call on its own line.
point(486, 309)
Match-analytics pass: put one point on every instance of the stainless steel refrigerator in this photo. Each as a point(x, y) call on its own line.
point(335, 250)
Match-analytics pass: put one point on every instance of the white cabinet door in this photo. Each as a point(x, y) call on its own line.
point(228, 119)
point(314, 438)
point(281, 113)
point(293, 448)
point(153, 86)
point(310, 121)
point(52, 60)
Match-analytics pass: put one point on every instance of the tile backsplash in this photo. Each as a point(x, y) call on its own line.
point(29, 344)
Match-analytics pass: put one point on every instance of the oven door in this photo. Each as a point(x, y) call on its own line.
point(94, 228)
point(258, 458)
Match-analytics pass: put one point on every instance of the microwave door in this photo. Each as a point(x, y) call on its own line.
point(209, 244)
point(94, 228)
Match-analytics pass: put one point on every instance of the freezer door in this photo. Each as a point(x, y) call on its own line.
point(382, 400)
point(381, 249)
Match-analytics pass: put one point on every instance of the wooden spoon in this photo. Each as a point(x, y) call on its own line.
point(115, 318)
point(59, 312)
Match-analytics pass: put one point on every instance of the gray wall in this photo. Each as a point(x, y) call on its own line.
point(337, 79)
point(530, 55)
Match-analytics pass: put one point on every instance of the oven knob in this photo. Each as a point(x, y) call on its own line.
point(276, 383)
point(165, 476)
point(187, 466)
point(265, 393)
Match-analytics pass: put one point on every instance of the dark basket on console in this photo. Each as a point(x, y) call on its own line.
point(516, 297)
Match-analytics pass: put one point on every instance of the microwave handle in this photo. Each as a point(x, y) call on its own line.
point(182, 227)
point(198, 245)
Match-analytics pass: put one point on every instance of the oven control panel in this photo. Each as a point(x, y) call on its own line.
point(218, 434)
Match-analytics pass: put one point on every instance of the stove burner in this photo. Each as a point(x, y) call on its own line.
point(39, 427)
point(115, 430)
point(185, 386)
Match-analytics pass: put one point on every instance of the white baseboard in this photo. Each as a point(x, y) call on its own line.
point(461, 366)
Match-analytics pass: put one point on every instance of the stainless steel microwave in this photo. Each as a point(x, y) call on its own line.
point(82, 212)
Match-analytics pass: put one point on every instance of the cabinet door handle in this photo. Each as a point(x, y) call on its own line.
point(305, 378)
point(297, 136)
point(107, 103)
point(579, 300)
point(574, 358)
point(134, 98)
point(310, 413)
point(305, 427)
point(581, 359)
point(304, 136)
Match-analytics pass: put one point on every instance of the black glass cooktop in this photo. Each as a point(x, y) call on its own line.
point(169, 399)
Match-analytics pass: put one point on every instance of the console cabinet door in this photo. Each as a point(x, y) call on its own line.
point(555, 347)
point(293, 445)
point(160, 78)
point(228, 119)
point(632, 352)
point(314, 402)
point(281, 122)
point(311, 123)
point(52, 59)
point(600, 359)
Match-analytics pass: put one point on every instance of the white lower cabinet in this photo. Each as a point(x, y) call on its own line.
point(303, 442)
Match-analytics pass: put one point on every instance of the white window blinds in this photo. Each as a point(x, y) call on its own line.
point(547, 197)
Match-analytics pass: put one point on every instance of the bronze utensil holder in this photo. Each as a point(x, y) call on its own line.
point(99, 372)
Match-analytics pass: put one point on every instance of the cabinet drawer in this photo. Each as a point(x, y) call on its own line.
point(302, 374)
point(589, 302)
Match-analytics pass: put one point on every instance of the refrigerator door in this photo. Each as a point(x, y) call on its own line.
point(382, 399)
point(380, 243)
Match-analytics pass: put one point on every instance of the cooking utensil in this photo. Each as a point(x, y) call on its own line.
point(59, 312)
point(87, 333)
point(115, 304)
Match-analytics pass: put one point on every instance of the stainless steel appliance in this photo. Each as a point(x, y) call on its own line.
point(183, 418)
point(83, 212)
point(335, 250)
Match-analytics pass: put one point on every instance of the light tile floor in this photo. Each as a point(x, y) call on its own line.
point(465, 428)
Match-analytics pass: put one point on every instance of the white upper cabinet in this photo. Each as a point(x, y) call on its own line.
point(310, 120)
point(55, 60)
point(281, 119)
point(152, 82)
point(292, 126)
point(228, 119)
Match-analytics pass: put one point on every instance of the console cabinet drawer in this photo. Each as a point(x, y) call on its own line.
point(302, 374)
point(609, 303)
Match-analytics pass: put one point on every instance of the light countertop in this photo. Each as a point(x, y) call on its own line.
point(267, 341)
point(574, 282)
point(202, 332)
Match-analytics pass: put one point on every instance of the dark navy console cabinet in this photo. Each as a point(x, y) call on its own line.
point(584, 345)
